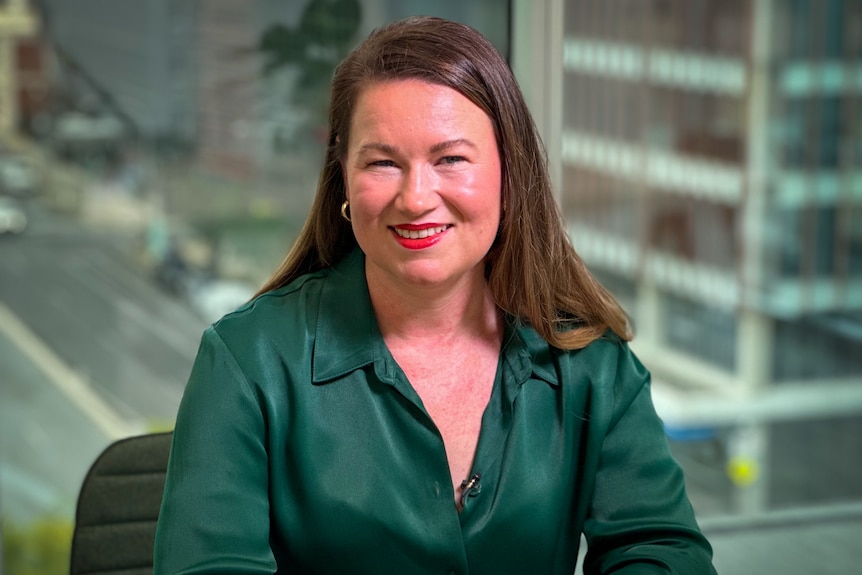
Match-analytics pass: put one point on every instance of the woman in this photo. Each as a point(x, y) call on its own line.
point(431, 382)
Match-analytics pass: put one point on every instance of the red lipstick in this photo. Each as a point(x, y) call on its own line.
point(419, 236)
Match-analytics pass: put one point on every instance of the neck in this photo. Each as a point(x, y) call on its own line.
point(440, 313)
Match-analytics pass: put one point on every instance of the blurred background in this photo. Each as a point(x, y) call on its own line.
point(157, 159)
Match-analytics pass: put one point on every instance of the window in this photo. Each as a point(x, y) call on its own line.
point(165, 155)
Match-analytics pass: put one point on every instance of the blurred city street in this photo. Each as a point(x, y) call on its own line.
point(82, 295)
point(90, 351)
point(37, 445)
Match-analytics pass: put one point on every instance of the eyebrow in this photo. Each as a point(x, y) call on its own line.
point(436, 148)
point(380, 147)
point(451, 144)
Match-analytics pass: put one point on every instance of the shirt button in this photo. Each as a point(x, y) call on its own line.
point(437, 489)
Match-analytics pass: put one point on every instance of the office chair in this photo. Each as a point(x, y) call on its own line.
point(118, 505)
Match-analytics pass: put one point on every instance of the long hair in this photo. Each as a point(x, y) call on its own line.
point(532, 269)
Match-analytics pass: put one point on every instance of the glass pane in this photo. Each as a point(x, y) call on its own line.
point(711, 177)
point(155, 166)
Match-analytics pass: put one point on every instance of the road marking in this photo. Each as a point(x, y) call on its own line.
point(64, 378)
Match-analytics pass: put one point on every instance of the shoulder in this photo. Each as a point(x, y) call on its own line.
point(609, 359)
point(610, 352)
point(292, 297)
point(286, 322)
point(604, 356)
point(275, 319)
point(609, 369)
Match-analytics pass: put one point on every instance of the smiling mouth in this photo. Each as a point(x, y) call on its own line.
point(420, 234)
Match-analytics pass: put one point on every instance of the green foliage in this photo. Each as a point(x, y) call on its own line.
point(323, 37)
point(41, 548)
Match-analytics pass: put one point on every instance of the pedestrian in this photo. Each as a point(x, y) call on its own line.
point(432, 381)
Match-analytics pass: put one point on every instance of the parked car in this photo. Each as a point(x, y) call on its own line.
point(13, 217)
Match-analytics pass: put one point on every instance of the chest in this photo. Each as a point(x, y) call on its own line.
point(360, 451)
point(454, 389)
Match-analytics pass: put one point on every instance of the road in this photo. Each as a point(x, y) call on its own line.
point(90, 350)
point(46, 441)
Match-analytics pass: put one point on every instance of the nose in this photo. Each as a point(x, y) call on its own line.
point(417, 192)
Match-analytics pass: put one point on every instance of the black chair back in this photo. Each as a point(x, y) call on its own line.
point(118, 505)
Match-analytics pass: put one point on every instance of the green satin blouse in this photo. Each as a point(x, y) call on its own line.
point(300, 447)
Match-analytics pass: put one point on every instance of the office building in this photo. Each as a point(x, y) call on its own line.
point(712, 176)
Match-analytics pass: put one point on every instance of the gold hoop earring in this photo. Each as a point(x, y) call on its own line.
point(344, 207)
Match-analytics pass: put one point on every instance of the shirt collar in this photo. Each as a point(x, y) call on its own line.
point(346, 327)
point(347, 331)
point(528, 355)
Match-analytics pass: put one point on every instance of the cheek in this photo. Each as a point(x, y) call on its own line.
point(367, 200)
point(491, 191)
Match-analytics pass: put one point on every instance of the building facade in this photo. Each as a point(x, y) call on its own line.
point(710, 169)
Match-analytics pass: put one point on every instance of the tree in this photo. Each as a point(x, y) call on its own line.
point(323, 37)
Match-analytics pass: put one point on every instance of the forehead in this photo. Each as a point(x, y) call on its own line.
point(401, 106)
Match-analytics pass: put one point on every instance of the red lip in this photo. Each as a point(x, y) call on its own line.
point(417, 226)
point(418, 243)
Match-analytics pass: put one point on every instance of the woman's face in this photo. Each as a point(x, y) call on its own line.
point(422, 173)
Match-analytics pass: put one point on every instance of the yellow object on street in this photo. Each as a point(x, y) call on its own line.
point(743, 471)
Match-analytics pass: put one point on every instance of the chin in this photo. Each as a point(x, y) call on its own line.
point(425, 275)
point(426, 270)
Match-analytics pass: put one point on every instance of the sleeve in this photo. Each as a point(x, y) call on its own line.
point(640, 520)
point(214, 517)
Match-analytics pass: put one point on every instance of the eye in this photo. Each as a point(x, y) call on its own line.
point(452, 159)
point(381, 164)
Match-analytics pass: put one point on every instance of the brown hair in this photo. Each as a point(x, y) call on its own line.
point(533, 271)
